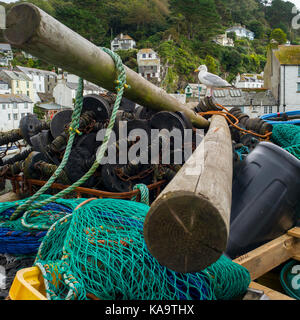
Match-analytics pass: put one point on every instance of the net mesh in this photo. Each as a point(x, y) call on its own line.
point(287, 136)
point(100, 251)
point(24, 235)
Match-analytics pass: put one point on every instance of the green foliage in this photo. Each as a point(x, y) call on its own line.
point(231, 35)
point(39, 112)
point(180, 31)
point(129, 58)
point(211, 64)
point(279, 36)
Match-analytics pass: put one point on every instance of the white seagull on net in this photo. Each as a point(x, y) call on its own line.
point(211, 80)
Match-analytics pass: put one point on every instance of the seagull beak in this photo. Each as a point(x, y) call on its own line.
point(197, 70)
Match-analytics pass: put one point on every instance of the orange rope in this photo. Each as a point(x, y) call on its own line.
point(225, 113)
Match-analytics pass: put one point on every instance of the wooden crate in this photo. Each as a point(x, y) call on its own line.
point(269, 256)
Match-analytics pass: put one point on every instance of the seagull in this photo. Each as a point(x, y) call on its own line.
point(211, 80)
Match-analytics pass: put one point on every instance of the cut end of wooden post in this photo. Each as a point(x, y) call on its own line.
point(185, 232)
point(21, 22)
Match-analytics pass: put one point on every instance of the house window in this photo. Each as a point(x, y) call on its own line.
point(3, 106)
point(298, 87)
point(15, 105)
point(265, 109)
point(150, 55)
point(26, 105)
point(144, 55)
point(28, 93)
point(298, 71)
point(9, 117)
point(22, 115)
point(27, 84)
point(270, 109)
point(15, 116)
point(17, 84)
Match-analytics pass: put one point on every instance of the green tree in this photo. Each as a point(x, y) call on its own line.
point(232, 35)
point(201, 17)
point(278, 35)
point(258, 28)
point(211, 64)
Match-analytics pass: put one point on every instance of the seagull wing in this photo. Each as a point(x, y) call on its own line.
point(215, 80)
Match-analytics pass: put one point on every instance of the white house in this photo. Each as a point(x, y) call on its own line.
point(28, 55)
point(123, 42)
point(224, 41)
point(249, 80)
point(42, 80)
point(253, 102)
point(282, 76)
point(241, 32)
point(64, 92)
point(6, 54)
point(149, 64)
point(12, 109)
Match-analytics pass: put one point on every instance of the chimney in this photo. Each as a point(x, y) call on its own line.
point(121, 36)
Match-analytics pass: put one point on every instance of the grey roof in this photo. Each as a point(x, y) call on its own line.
point(16, 75)
point(237, 97)
point(45, 97)
point(239, 27)
point(36, 71)
point(18, 98)
point(52, 106)
point(5, 46)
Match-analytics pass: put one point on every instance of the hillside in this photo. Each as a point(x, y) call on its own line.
point(180, 31)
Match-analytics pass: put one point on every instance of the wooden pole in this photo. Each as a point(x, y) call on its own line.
point(34, 31)
point(187, 226)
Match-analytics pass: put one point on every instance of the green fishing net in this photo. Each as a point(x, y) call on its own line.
point(99, 251)
point(287, 136)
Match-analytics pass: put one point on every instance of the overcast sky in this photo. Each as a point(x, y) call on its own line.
point(297, 2)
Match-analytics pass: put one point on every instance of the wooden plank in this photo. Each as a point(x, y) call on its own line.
point(269, 256)
point(272, 294)
point(187, 226)
point(295, 232)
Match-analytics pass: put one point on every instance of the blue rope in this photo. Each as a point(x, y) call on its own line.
point(242, 152)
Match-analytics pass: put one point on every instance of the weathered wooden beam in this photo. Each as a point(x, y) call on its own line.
point(272, 294)
point(31, 29)
point(187, 226)
point(269, 256)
